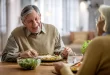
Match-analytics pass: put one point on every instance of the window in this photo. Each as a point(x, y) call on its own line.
point(2, 24)
point(64, 14)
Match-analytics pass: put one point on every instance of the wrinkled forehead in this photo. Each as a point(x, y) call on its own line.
point(32, 15)
point(26, 13)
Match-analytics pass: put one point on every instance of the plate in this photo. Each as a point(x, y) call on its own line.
point(50, 58)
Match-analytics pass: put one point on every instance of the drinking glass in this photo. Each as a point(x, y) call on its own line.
point(73, 58)
point(78, 57)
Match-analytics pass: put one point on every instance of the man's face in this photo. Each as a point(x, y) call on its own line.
point(32, 21)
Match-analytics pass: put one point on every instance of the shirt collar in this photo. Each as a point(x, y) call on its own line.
point(42, 30)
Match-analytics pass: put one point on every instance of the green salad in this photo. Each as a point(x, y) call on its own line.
point(29, 63)
point(84, 46)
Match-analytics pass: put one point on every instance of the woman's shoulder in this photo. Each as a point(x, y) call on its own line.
point(100, 40)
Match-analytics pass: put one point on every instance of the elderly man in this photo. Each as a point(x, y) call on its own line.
point(34, 38)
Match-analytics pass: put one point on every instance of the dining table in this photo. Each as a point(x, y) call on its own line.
point(8, 68)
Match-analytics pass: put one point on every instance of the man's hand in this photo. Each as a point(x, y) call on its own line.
point(29, 54)
point(58, 66)
point(66, 51)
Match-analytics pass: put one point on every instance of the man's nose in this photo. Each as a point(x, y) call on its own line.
point(35, 24)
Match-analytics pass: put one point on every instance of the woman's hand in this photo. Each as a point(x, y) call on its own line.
point(58, 66)
point(100, 26)
point(29, 54)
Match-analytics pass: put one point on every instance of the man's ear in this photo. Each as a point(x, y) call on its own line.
point(23, 22)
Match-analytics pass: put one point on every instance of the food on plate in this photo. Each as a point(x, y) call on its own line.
point(50, 57)
point(75, 67)
point(28, 63)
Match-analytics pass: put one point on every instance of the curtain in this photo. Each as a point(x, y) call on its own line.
point(2, 24)
point(70, 15)
point(63, 14)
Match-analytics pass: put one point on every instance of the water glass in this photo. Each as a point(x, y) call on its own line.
point(73, 58)
point(78, 57)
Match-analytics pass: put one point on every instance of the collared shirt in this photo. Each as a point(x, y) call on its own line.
point(13, 47)
point(42, 30)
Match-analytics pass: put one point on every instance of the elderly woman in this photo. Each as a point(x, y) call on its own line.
point(97, 56)
point(33, 38)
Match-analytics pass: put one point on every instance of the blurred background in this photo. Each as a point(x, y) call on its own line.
point(67, 15)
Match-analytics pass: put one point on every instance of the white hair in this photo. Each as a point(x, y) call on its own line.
point(27, 10)
point(105, 13)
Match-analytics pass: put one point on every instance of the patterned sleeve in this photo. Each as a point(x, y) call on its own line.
point(59, 45)
point(11, 51)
